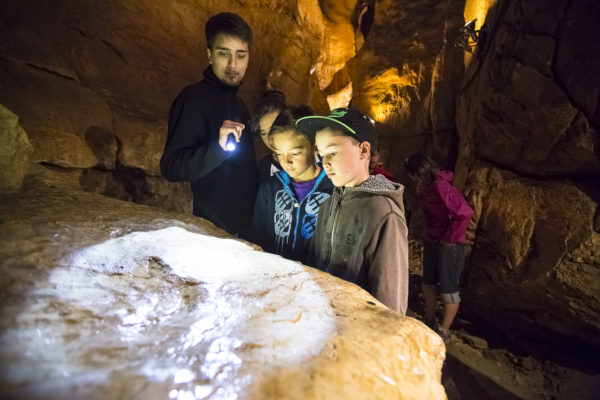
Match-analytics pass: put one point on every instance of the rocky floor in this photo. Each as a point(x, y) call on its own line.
point(482, 365)
point(476, 370)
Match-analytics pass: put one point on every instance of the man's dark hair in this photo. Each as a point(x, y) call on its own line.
point(271, 101)
point(228, 24)
point(286, 121)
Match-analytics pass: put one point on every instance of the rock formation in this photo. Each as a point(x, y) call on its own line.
point(92, 84)
point(528, 118)
point(107, 299)
point(15, 152)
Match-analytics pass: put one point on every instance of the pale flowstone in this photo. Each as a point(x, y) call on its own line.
point(107, 299)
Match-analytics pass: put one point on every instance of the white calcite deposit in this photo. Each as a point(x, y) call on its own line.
point(104, 299)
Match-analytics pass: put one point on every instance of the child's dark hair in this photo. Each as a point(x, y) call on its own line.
point(271, 101)
point(422, 166)
point(228, 24)
point(286, 121)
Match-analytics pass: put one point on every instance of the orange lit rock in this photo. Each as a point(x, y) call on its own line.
point(56, 112)
point(142, 142)
point(130, 59)
point(534, 267)
point(388, 96)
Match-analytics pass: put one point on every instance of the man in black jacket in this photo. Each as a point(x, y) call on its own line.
point(202, 118)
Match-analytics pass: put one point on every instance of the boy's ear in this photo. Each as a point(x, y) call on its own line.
point(209, 53)
point(365, 150)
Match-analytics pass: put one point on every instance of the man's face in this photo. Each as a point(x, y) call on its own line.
point(229, 59)
point(345, 160)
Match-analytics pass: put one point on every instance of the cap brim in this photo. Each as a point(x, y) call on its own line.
point(313, 123)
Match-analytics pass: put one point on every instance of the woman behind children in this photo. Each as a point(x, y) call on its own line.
point(447, 215)
point(265, 112)
point(287, 204)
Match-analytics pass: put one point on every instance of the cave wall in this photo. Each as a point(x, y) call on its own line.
point(529, 159)
point(92, 82)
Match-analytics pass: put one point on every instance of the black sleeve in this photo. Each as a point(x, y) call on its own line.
point(260, 219)
point(190, 152)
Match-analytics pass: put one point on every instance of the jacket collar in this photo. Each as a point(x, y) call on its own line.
point(210, 77)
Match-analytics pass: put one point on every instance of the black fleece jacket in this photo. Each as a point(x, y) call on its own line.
point(224, 184)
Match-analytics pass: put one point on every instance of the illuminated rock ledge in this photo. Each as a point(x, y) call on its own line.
point(105, 299)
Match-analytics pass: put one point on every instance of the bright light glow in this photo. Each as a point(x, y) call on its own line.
point(388, 93)
point(476, 9)
point(230, 144)
point(199, 314)
point(388, 380)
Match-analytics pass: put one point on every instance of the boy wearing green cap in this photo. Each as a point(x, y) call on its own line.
point(361, 233)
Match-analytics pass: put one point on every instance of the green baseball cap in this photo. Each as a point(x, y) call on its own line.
point(351, 122)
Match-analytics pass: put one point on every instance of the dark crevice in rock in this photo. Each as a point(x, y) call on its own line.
point(591, 188)
point(364, 16)
point(130, 183)
point(574, 177)
point(50, 71)
point(124, 183)
point(534, 67)
point(86, 35)
point(57, 167)
point(39, 68)
point(114, 49)
point(517, 332)
point(557, 78)
point(81, 32)
point(564, 136)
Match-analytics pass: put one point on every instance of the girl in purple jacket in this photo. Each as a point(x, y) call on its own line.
point(447, 215)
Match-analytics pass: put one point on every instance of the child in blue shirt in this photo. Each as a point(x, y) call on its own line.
point(287, 204)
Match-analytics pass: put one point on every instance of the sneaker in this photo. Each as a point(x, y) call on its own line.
point(444, 334)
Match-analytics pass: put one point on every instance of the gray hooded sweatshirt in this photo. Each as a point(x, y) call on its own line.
point(361, 237)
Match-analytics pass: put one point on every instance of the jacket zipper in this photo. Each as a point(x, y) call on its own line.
point(334, 225)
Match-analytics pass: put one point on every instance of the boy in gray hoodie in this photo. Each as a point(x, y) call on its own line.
point(361, 233)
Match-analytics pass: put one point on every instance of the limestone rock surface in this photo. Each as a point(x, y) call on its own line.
point(93, 83)
point(529, 161)
point(15, 152)
point(535, 265)
point(107, 299)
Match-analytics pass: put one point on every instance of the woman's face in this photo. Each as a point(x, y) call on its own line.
point(265, 123)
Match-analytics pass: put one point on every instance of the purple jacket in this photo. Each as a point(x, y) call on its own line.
point(447, 213)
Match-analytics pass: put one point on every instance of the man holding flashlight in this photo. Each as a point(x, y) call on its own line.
point(208, 143)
